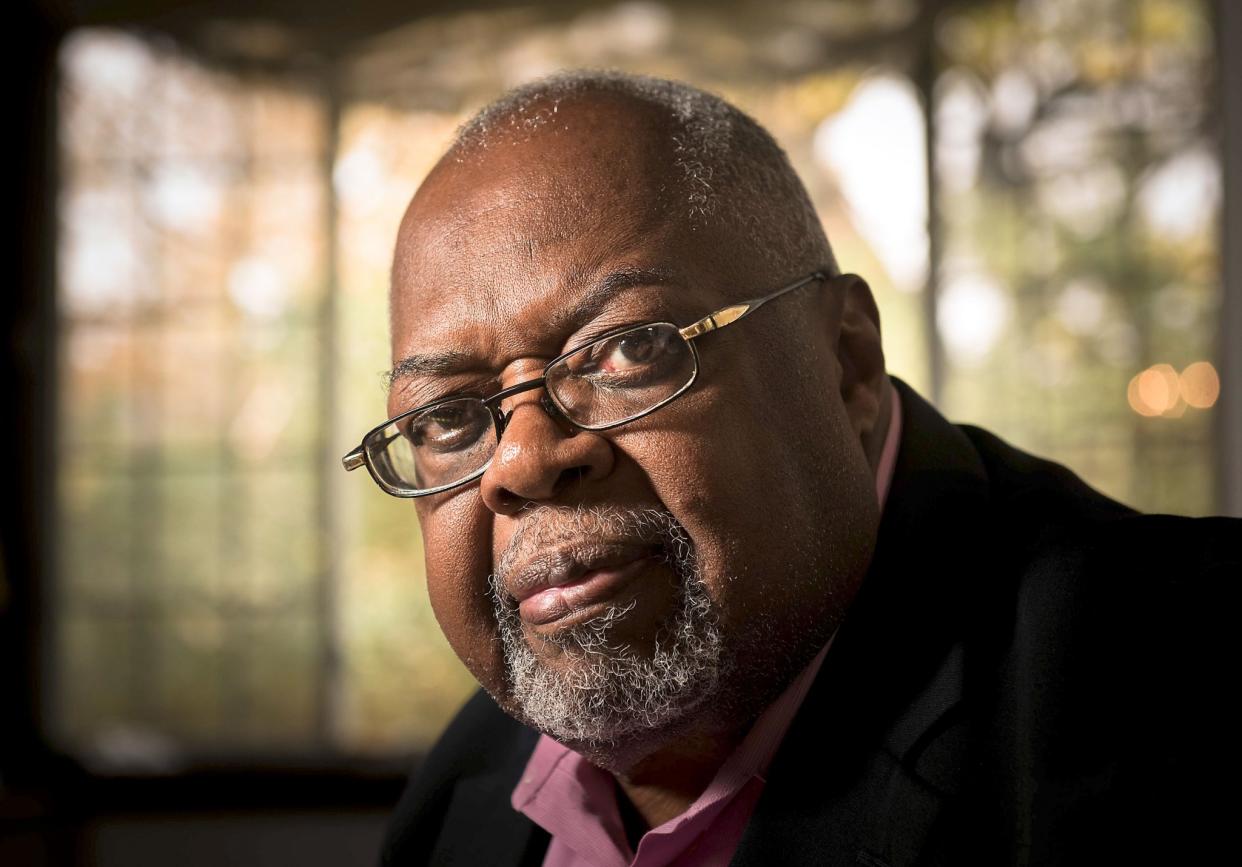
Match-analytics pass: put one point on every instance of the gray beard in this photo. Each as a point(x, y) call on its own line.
point(607, 698)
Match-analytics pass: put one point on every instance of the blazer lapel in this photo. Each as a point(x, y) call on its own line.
point(878, 746)
point(480, 825)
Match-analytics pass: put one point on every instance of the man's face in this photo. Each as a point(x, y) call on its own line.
point(523, 249)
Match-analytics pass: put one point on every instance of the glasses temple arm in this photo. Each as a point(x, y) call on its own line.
point(358, 457)
point(728, 315)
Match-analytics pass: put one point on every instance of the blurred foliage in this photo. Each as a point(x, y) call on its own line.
point(1079, 200)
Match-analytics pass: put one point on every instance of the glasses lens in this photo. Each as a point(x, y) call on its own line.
point(622, 376)
point(437, 446)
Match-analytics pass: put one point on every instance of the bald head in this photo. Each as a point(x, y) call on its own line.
point(596, 168)
point(717, 167)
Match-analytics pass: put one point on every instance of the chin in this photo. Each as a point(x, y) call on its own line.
point(607, 700)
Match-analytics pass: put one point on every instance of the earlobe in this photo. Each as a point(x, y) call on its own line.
point(864, 381)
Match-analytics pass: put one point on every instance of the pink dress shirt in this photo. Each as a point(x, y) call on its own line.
point(576, 802)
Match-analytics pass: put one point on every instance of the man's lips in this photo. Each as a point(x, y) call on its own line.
point(557, 583)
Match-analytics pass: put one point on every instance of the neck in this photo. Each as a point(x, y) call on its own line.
point(663, 773)
point(664, 784)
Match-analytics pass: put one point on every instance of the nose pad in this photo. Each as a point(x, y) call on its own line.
point(546, 404)
point(550, 407)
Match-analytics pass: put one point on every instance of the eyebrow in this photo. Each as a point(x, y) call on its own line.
point(603, 293)
point(589, 306)
point(429, 363)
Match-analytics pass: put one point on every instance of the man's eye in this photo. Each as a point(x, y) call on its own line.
point(633, 353)
point(450, 427)
point(639, 348)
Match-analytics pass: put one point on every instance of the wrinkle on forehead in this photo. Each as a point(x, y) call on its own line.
point(504, 238)
point(481, 248)
point(554, 209)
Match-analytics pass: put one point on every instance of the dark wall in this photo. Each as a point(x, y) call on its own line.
point(29, 825)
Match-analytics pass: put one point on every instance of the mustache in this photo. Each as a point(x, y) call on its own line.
point(549, 535)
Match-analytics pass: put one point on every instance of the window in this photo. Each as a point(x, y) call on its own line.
point(193, 315)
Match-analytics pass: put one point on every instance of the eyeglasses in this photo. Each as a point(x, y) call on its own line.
point(610, 381)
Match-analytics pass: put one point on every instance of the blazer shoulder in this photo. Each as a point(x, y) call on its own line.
point(1077, 552)
point(1064, 517)
point(1022, 482)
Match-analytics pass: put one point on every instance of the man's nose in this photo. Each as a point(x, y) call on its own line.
point(540, 457)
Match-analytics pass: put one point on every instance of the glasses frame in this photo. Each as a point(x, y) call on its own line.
point(714, 321)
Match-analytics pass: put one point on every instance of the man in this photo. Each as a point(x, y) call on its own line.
point(733, 594)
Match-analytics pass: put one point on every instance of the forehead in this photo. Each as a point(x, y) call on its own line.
point(526, 231)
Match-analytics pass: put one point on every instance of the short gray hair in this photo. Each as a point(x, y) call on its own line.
point(731, 169)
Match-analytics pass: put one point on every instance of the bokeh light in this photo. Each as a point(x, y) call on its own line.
point(1199, 385)
point(1154, 391)
point(1161, 391)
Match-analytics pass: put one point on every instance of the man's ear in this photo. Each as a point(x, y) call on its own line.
point(864, 382)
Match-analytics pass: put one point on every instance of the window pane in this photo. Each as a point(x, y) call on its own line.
point(96, 677)
point(275, 699)
point(95, 423)
point(274, 418)
point(278, 531)
point(99, 557)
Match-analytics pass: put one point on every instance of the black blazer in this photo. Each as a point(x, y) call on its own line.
point(1031, 674)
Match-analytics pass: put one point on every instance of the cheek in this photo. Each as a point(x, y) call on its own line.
point(780, 504)
point(457, 546)
point(696, 471)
